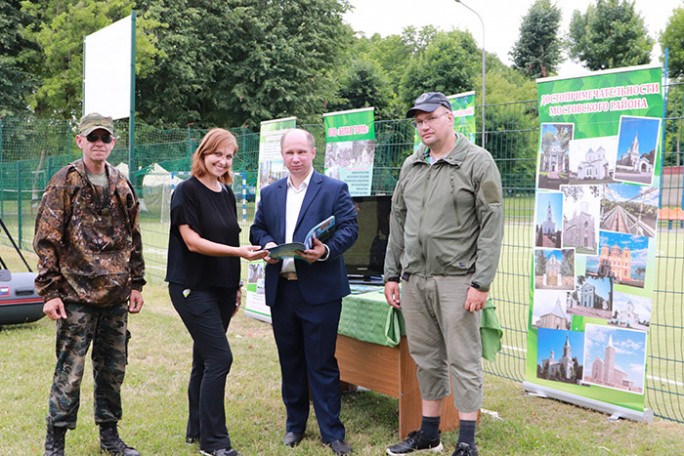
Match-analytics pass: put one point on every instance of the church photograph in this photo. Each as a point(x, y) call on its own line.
point(637, 141)
point(550, 310)
point(554, 269)
point(592, 160)
point(554, 162)
point(592, 297)
point(549, 220)
point(622, 257)
point(581, 216)
point(631, 311)
point(560, 355)
point(615, 358)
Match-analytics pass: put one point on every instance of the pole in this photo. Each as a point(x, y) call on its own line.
point(483, 68)
point(131, 117)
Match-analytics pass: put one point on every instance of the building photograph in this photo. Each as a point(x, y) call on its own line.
point(637, 142)
point(554, 161)
point(554, 269)
point(549, 220)
point(592, 160)
point(559, 355)
point(592, 297)
point(615, 358)
point(631, 311)
point(622, 257)
point(550, 310)
point(581, 216)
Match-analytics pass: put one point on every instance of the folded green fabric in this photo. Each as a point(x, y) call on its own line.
point(368, 318)
point(490, 332)
point(393, 327)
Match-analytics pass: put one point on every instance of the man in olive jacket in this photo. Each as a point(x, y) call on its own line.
point(446, 229)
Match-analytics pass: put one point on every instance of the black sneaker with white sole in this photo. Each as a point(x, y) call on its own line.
point(415, 443)
point(463, 449)
point(220, 452)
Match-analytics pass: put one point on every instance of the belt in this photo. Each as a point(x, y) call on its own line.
point(289, 275)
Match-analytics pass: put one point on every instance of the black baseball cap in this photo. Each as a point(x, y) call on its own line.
point(428, 102)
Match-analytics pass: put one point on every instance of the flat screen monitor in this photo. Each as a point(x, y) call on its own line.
point(366, 258)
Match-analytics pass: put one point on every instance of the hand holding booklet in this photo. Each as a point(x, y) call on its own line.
point(322, 231)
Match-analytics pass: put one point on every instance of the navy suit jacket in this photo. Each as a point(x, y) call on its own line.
point(321, 281)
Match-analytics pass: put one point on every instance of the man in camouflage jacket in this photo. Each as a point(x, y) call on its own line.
point(90, 275)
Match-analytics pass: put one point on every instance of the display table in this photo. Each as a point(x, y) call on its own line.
point(372, 352)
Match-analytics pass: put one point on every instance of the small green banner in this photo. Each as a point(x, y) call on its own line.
point(350, 148)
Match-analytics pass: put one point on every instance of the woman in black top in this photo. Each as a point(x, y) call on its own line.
point(203, 272)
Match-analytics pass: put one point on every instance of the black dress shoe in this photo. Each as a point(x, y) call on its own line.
point(340, 447)
point(292, 439)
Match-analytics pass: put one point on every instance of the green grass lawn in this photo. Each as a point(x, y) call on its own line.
point(154, 397)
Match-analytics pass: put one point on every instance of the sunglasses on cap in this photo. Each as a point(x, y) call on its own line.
point(105, 138)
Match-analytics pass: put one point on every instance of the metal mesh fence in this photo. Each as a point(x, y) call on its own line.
point(31, 151)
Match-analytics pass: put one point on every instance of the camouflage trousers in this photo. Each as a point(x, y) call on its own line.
point(107, 329)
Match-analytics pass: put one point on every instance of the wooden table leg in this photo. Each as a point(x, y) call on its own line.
point(391, 371)
point(410, 402)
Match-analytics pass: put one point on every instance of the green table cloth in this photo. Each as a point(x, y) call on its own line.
point(368, 317)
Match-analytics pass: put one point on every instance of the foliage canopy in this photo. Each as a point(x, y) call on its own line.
point(610, 34)
point(537, 52)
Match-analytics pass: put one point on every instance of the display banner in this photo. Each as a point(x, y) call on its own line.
point(463, 107)
point(109, 69)
point(593, 266)
point(271, 168)
point(350, 148)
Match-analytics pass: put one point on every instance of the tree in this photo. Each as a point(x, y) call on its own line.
point(418, 40)
point(58, 29)
point(537, 52)
point(672, 39)
point(16, 81)
point(539, 241)
point(568, 264)
point(540, 263)
point(508, 124)
point(363, 85)
point(393, 54)
point(611, 34)
point(448, 64)
point(238, 62)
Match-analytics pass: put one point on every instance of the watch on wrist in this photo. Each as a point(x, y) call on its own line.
point(393, 279)
point(479, 287)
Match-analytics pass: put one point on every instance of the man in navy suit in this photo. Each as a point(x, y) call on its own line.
point(305, 296)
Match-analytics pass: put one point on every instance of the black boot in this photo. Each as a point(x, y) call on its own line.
point(54, 441)
point(111, 443)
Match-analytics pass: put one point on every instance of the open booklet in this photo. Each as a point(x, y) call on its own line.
point(322, 231)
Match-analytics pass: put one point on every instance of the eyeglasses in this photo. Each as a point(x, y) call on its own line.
point(106, 138)
point(428, 120)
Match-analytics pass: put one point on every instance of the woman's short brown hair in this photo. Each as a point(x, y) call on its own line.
point(213, 141)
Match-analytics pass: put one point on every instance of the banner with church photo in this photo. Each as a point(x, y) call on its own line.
point(593, 268)
point(350, 148)
point(463, 107)
point(271, 168)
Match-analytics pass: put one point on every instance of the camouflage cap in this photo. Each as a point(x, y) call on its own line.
point(94, 121)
